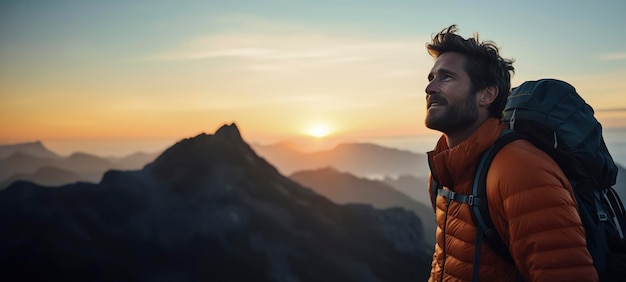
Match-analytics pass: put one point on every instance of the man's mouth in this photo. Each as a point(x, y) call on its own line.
point(435, 103)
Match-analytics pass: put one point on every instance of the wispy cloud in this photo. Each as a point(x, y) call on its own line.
point(269, 51)
point(613, 56)
point(278, 65)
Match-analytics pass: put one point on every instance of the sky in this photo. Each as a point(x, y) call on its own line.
point(112, 77)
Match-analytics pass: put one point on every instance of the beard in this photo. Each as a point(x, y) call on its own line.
point(454, 117)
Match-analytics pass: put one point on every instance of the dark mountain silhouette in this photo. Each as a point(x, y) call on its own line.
point(360, 159)
point(345, 188)
point(207, 209)
point(35, 149)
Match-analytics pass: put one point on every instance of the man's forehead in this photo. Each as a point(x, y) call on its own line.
point(450, 58)
point(448, 61)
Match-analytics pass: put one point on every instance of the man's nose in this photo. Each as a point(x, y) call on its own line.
point(431, 87)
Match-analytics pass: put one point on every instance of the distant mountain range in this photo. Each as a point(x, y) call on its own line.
point(207, 209)
point(345, 188)
point(25, 162)
point(35, 149)
point(34, 162)
point(361, 159)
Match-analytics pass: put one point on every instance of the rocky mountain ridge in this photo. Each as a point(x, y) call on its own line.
point(208, 208)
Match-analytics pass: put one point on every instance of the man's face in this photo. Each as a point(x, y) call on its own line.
point(450, 104)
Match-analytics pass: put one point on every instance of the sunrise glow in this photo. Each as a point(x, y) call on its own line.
point(319, 131)
point(283, 70)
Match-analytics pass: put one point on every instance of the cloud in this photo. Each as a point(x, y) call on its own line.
point(211, 54)
point(274, 65)
point(613, 56)
point(266, 51)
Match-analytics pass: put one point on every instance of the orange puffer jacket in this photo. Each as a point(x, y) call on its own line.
point(532, 207)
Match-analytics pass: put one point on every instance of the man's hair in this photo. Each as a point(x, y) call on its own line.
point(483, 63)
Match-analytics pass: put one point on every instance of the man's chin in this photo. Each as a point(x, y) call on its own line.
point(431, 124)
point(432, 119)
point(437, 123)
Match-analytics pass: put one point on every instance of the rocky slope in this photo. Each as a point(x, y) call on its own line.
point(207, 209)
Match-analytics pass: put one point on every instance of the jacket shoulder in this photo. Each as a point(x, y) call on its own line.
point(532, 204)
point(520, 163)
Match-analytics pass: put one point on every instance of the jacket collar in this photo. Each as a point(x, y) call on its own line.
point(455, 165)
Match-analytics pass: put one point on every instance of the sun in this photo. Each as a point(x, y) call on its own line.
point(318, 131)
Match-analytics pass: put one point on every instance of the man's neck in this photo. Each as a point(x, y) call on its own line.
point(455, 138)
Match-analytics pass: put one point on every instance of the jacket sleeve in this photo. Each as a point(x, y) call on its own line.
point(434, 267)
point(533, 207)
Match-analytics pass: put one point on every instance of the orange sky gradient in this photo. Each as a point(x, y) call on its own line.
point(114, 77)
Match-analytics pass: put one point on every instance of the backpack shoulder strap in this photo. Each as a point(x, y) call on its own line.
point(434, 187)
point(480, 213)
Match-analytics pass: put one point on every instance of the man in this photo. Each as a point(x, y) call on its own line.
point(530, 199)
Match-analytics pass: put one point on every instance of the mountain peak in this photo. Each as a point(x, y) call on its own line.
point(35, 149)
point(203, 154)
point(228, 130)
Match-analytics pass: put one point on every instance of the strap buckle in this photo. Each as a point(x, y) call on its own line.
point(454, 196)
point(470, 200)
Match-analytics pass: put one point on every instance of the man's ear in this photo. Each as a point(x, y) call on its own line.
point(487, 95)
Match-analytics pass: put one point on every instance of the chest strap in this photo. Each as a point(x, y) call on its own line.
point(454, 196)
